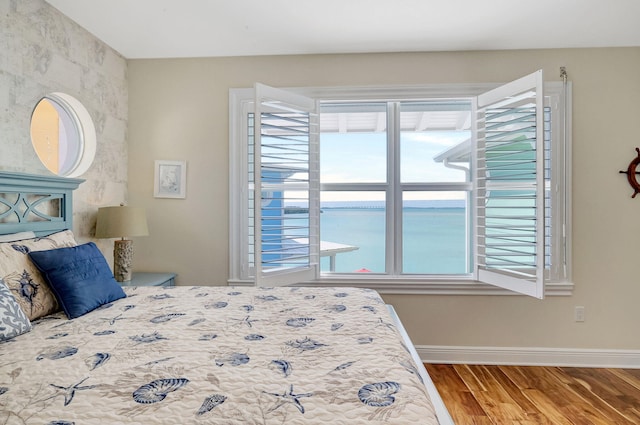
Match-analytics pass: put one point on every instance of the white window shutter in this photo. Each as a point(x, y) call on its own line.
point(286, 174)
point(510, 159)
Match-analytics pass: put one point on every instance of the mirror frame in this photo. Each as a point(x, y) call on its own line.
point(84, 127)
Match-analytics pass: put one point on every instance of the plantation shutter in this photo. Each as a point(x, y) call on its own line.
point(510, 203)
point(286, 178)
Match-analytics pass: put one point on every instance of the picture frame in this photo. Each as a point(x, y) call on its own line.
point(170, 179)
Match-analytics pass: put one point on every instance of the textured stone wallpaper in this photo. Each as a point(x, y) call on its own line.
point(43, 51)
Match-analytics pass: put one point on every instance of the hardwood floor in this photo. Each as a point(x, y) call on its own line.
point(525, 395)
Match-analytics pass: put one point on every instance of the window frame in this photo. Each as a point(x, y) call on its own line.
point(396, 188)
point(240, 104)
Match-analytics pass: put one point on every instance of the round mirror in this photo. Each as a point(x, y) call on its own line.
point(63, 135)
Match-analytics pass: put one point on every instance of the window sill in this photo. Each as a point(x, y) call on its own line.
point(405, 286)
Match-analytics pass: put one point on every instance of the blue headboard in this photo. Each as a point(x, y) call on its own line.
point(41, 204)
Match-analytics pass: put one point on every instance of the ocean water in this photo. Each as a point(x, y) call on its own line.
point(434, 239)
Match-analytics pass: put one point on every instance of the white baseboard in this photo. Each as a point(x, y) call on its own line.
point(530, 356)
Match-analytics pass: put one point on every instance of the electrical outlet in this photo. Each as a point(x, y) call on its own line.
point(579, 313)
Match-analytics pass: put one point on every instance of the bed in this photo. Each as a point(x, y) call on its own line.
point(186, 354)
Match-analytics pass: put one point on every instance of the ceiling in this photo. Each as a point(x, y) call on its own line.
point(209, 28)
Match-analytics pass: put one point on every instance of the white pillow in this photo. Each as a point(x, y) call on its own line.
point(17, 236)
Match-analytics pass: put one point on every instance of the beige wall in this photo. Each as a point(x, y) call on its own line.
point(43, 51)
point(178, 110)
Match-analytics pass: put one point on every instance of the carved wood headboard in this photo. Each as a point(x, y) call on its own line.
point(42, 204)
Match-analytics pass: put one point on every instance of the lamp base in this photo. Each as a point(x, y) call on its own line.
point(122, 259)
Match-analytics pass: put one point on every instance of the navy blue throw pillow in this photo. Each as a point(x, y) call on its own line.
point(79, 276)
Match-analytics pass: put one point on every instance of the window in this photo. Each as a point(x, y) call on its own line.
point(385, 193)
point(410, 193)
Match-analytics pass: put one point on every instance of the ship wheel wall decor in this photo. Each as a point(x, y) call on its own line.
point(632, 173)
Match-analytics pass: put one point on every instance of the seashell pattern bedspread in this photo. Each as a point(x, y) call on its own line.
point(216, 355)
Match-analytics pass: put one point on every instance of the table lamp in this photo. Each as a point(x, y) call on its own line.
point(121, 222)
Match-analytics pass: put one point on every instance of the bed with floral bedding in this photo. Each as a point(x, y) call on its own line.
point(76, 348)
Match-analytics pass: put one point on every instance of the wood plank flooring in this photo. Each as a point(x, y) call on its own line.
point(526, 395)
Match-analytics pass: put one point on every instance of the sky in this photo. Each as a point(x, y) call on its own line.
point(361, 158)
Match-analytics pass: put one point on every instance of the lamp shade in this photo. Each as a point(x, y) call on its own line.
point(121, 222)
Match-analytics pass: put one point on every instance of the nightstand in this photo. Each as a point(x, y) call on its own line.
point(151, 279)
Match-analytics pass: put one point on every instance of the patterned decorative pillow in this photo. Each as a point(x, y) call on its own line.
point(22, 277)
point(13, 322)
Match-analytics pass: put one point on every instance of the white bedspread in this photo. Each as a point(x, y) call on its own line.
point(216, 355)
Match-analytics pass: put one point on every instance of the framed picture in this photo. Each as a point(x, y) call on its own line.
point(170, 179)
